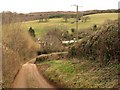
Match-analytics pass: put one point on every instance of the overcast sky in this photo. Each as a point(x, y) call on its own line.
point(26, 6)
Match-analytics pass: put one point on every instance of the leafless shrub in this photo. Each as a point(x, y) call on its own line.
point(53, 41)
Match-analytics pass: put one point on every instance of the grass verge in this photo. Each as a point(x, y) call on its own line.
point(80, 73)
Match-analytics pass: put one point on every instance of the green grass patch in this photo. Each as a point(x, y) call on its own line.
point(63, 66)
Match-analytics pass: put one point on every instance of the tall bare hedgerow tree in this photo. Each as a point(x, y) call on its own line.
point(18, 47)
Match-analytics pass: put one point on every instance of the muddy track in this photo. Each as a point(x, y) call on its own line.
point(29, 77)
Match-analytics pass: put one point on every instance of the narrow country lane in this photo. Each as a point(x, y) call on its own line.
point(29, 77)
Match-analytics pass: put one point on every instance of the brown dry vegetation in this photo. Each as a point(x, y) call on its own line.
point(103, 45)
point(18, 47)
point(11, 65)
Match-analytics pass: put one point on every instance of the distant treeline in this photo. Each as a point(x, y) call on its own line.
point(73, 15)
point(7, 17)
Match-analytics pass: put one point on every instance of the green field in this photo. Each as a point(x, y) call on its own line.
point(41, 27)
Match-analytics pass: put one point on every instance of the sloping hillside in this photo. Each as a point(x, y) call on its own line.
point(59, 23)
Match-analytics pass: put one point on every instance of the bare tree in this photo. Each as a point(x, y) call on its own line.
point(85, 19)
point(52, 41)
point(44, 18)
point(66, 17)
